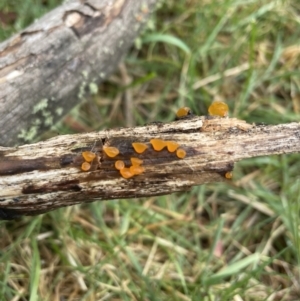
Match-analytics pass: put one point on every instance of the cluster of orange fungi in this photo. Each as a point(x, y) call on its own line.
point(136, 167)
point(128, 172)
point(139, 148)
point(88, 158)
point(158, 145)
point(217, 108)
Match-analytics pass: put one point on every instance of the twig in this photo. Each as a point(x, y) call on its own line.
point(44, 176)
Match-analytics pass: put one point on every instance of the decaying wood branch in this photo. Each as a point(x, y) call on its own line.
point(48, 68)
point(40, 177)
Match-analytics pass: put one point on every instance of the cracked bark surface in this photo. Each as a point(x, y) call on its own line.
point(46, 69)
point(44, 176)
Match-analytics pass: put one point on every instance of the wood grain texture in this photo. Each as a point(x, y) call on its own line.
point(44, 176)
point(49, 67)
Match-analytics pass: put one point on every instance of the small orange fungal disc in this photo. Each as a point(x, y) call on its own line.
point(218, 108)
point(228, 175)
point(180, 153)
point(136, 161)
point(139, 147)
point(119, 164)
point(88, 156)
point(182, 112)
point(158, 144)
point(136, 170)
point(126, 173)
point(85, 166)
point(172, 146)
point(111, 151)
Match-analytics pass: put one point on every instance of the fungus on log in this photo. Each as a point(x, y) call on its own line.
point(47, 175)
point(46, 69)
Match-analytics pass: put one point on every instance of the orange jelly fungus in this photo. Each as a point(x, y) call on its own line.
point(111, 151)
point(88, 156)
point(85, 166)
point(136, 161)
point(180, 153)
point(228, 175)
point(119, 164)
point(182, 112)
point(139, 147)
point(218, 108)
point(136, 170)
point(158, 144)
point(172, 146)
point(126, 173)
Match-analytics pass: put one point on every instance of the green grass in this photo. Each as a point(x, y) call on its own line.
point(225, 241)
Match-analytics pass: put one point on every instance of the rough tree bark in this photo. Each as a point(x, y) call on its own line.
point(40, 177)
point(47, 68)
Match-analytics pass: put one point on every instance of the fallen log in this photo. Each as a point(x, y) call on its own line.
point(40, 177)
point(51, 66)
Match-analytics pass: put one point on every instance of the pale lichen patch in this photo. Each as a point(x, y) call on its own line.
point(37, 122)
point(93, 88)
point(59, 111)
point(85, 74)
point(30, 134)
point(41, 105)
point(48, 121)
point(106, 50)
point(82, 90)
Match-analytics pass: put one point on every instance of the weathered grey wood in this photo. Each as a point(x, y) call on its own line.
point(48, 68)
point(40, 177)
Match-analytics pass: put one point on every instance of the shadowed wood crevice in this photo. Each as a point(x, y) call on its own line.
point(47, 175)
point(51, 66)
